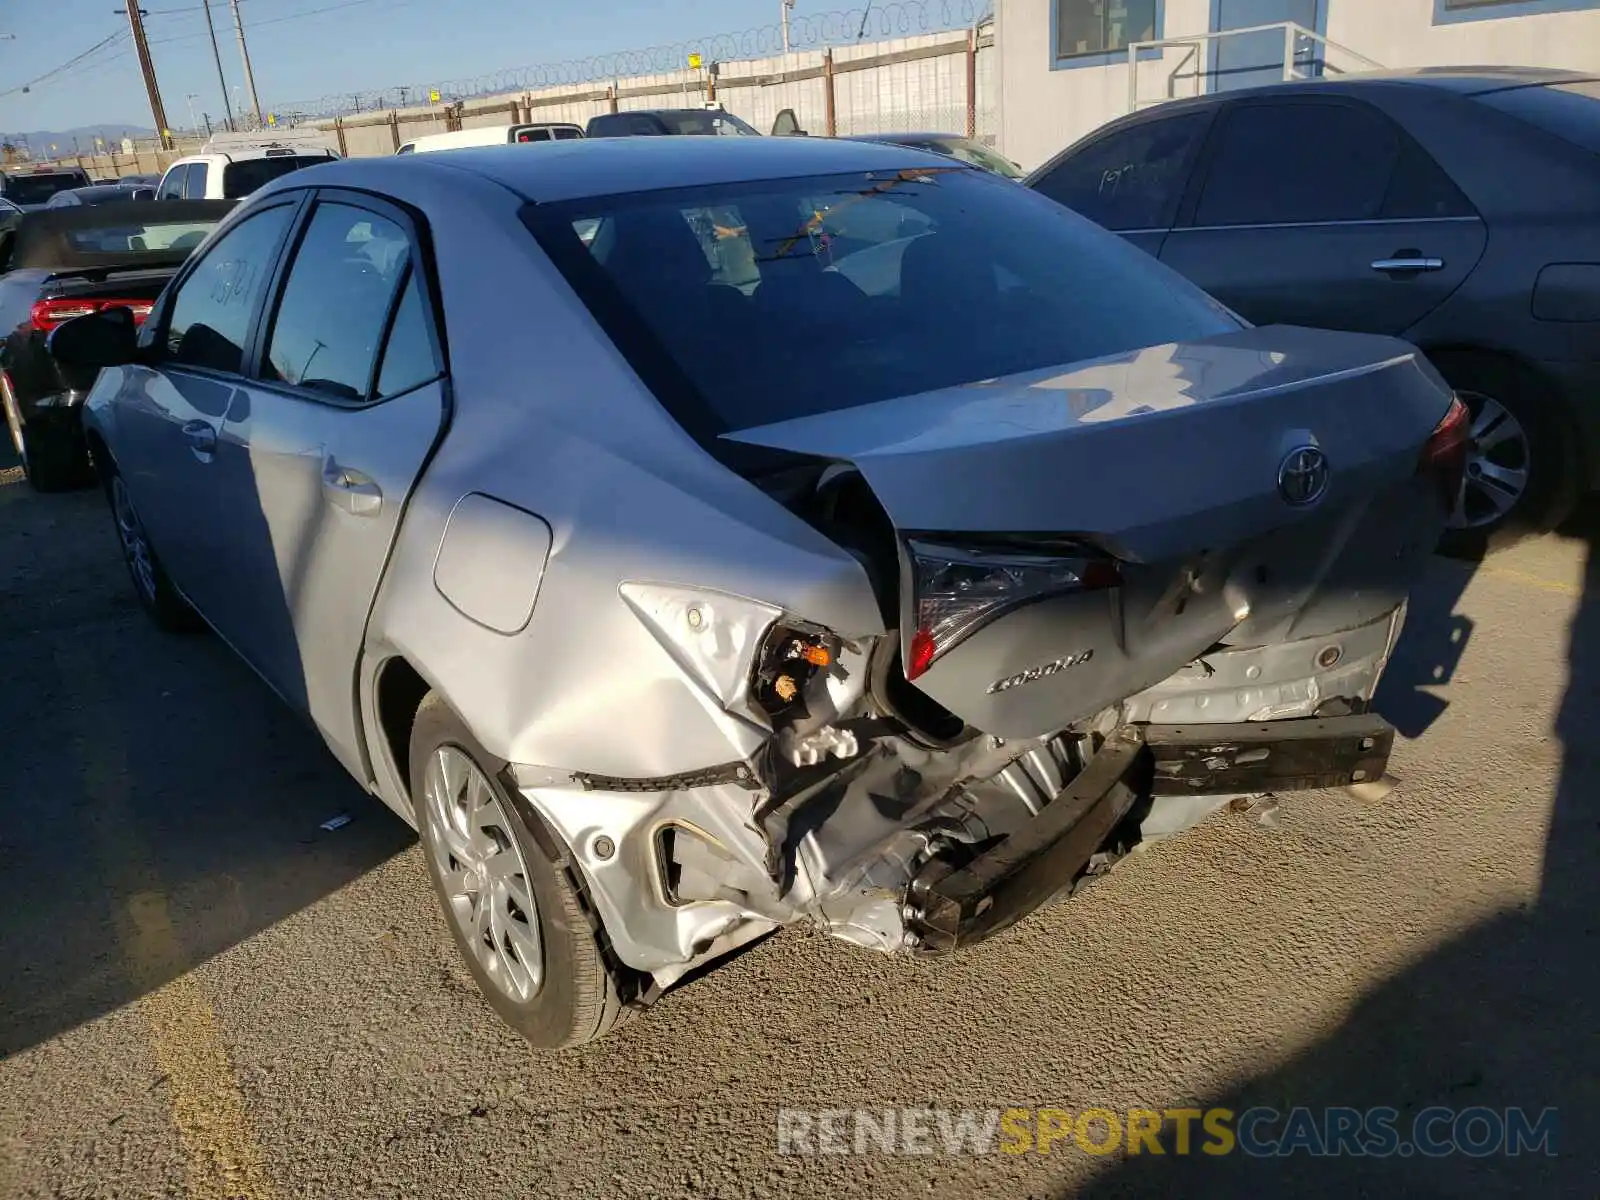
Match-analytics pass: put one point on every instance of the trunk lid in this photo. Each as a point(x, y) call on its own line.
point(1252, 487)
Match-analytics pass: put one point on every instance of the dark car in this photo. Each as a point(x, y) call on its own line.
point(61, 263)
point(141, 180)
point(101, 193)
point(669, 122)
point(952, 145)
point(33, 187)
point(1458, 208)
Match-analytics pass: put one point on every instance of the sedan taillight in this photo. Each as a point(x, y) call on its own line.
point(958, 589)
point(47, 314)
point(1444, 455)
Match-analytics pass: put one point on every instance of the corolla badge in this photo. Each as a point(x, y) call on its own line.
point(1040, 672)
point(1303, 476)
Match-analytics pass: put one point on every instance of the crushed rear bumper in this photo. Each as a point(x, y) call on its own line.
point(958, 904)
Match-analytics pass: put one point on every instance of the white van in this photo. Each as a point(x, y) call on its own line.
point(492, 135)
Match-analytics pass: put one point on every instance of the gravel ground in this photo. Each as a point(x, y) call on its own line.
point(205, 994)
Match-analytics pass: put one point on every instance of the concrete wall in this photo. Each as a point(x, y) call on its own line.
point(1044, 106)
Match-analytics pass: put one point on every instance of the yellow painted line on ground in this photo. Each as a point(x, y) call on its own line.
point(1528, 579)
point(222, 1160)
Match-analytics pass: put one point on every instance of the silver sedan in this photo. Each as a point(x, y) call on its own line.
point(693, 537)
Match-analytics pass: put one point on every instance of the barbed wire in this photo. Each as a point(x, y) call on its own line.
point(807, 31)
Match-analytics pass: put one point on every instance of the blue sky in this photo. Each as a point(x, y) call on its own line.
point(303, 49)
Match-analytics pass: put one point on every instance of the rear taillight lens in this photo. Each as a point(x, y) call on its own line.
point(47, 314)
point(1444, 456)
point(957, 590)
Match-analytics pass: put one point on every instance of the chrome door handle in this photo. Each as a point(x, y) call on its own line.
point(202, 439)
point(351, 490)
point(1407, 263)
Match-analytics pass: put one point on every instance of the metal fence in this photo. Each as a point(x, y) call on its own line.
point(911, 65)
point(940, 81)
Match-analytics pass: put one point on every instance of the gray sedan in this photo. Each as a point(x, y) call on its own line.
point(693, 537)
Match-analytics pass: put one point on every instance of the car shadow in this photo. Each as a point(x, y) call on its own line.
point(161, 805)
point(1501, 1016)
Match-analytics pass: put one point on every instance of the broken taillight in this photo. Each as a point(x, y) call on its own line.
point(1444, 455)
point(957, 590)
point(47, 314)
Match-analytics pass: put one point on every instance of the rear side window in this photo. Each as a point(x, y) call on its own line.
point(341, 286)
point(1296, 163)
point(1132, 179)
point(195, 189)
point(1571, 111)
point(239, 179)
point(409, 359)
point(624, 125)
point(212, 309)
point(172, 183)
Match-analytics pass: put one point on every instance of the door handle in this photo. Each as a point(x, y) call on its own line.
point(351, 490)
point(202, 439)
point(1407, 262)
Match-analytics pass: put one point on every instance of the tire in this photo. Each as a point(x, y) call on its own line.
point(161, 601)
point(1520, 433)
point(52, 460)
point(571, 995)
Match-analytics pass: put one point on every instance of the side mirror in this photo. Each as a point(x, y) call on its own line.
point(108, 338)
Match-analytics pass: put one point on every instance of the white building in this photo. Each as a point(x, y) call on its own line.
point(1064, 64)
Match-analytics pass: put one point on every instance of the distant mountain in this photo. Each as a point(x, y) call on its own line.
point(40, 140)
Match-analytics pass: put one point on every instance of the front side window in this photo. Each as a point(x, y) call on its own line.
point(745, 304)
point(341, 284)
point(1102, 26)
point(1132, 179)
point(212, 309)
point(172, 183)
point(1299, 163)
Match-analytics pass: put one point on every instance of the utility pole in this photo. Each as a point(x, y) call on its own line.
point(244, 53)
point(148, 69)
point(222, 80)
point(785, 6)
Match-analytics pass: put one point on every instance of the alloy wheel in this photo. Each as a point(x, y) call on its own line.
point(483, 874)
point(1498, 461)
point(135, 545)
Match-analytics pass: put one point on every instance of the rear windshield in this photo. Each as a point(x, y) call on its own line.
point(746, 304)
point(241, 178)
point(1568, 110)
point(37, 189)
point(687, 121)
point(136, 237)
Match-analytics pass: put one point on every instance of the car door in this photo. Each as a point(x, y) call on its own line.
point(1320, 210)
point(171, 405)
point(1131, 179)
point(321, 448)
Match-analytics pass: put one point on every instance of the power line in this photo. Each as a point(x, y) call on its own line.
point(73, 61)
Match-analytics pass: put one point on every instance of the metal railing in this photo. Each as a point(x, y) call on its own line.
point(1295, 38)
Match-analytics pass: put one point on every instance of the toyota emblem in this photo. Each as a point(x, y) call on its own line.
point(1303, 476)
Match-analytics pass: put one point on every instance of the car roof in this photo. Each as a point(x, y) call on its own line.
point(571, 170)
point(1466, 81)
